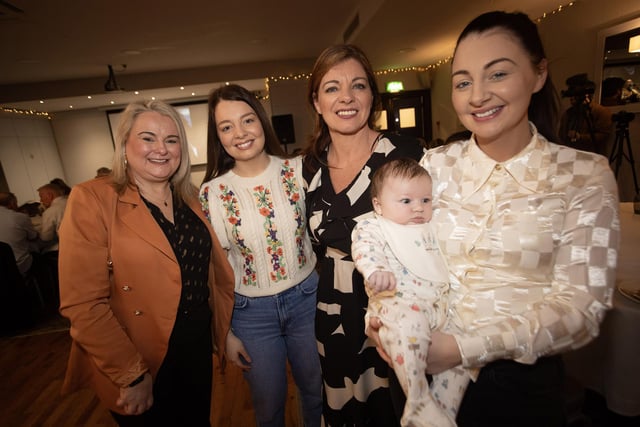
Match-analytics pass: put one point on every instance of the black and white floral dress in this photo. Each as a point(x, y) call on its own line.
point(355, 378)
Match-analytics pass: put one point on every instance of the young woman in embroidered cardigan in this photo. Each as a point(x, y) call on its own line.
point(254, 197)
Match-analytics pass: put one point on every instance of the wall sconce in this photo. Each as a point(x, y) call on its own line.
point(634, 44)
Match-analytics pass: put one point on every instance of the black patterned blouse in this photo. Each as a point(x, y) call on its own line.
point(191, 244)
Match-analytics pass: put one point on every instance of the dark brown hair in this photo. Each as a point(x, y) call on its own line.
point(328, 59)
point(218, 160)
point(543, 107)
point(404, 167)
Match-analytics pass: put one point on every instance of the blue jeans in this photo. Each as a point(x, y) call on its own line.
point(273, 329)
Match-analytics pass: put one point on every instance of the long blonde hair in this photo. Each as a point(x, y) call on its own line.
point(183, 188)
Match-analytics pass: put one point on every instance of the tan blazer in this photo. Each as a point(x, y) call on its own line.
point(121, 325)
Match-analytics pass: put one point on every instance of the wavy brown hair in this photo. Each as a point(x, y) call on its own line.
point(329, 58)
point(218, 160)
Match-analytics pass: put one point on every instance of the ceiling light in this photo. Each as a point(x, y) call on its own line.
point(634, 44)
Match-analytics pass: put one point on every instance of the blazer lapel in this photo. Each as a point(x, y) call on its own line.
point(134, 214)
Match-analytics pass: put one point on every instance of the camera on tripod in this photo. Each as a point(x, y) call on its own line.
point(623, 118)
point(618, 152)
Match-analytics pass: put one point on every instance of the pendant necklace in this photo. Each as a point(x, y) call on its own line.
point(164, 202)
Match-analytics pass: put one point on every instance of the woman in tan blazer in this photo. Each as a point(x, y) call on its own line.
point(144, 280)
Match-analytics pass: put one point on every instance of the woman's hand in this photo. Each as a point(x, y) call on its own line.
point(137, 399)
point(443, 352)
point(236, 352)
point(372, 332)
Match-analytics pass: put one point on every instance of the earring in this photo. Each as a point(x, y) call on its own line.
point(125, 162)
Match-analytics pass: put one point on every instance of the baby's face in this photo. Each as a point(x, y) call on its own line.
point(405, 201)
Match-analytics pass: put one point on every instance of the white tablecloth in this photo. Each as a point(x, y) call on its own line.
point(610, 364)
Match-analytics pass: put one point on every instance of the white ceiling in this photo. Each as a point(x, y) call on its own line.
point(54, 47)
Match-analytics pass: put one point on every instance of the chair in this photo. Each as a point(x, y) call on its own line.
point(16, 308)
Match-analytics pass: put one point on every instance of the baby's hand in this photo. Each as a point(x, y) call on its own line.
point(380, 281)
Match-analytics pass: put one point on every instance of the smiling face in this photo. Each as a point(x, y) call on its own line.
point(344, 98)
point(241, 134)
point(405, 200)
point(153, 147)
point(492, 83)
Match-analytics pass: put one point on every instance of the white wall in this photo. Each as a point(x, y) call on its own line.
point(289, 97)
point(28, 154)
point(444, 119)
point(84, 142)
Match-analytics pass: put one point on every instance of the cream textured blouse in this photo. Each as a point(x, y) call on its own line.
point(531, 244)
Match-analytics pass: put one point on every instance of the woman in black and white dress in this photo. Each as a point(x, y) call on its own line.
point(342, 156)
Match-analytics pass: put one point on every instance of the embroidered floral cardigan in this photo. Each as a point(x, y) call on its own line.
point(261, 221)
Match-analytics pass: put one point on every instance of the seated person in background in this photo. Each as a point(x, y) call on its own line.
point(16, 230)
point(612, 91)
point(54, 202)
point(630, 92)
point(408, 282)
point(103, 171)
point(33, 211)
point(63, 185)
point(586, 125)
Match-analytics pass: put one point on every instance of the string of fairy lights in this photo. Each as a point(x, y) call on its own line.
point(304, 76)
point(560, 8)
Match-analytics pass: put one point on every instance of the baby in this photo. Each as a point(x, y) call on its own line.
point(407, 281)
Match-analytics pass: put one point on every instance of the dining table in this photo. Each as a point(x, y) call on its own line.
point(610, 364)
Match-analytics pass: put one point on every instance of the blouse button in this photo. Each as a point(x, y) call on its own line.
point(126, 288)
point(498, 167)
point(137, 313)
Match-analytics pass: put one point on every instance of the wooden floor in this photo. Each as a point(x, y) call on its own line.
point(32, 369)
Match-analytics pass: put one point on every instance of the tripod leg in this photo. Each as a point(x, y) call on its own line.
point(617, 152)
point(631, 161)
